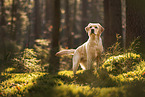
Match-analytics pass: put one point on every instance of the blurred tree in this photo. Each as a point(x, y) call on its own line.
point(2, 13)
point(2, 28)
point(135, 19)
point(2, 19)
point(68, 24)
point(49, 7)
point(13, 19)
point(54, 61)
point(95, 9)
point(28, 37)
point(112, 21)
point(37, 19)
point(73, 27)
point(47, 11)
point(84, 20)
point(7, 47)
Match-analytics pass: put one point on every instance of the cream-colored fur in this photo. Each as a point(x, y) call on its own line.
point(90, 51)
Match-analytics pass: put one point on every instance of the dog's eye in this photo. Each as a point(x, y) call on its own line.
point(90, 26)
point(96, 27)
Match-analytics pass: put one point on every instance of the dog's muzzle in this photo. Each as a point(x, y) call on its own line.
point(92, 31)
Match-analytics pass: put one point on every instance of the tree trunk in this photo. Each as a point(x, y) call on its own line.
point(13, 19)
point(84, 20)
point(37, 19)
point(73, 23)
point(2, 14)
point(3, 29)
point(112, 21)
point(135, 19)
point(67, 24)
point(54, 61)
point(94, 15)
point(49, 7)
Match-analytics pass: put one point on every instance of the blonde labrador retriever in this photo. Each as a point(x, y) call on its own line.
point(90, 51)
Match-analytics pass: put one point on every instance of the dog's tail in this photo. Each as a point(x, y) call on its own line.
point(65, 52)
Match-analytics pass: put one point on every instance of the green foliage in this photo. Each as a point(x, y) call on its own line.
point(137, 74)
point(42, 49)
point(134, 45)
point(121, 63)
point(121, 75)
point(98, 84)
point(27, 61)
point(17, 84)
point(115, 49)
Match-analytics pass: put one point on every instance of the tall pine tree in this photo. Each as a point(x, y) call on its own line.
point(54, 61)
point(112, 21)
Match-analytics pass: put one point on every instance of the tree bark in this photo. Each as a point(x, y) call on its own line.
point(135, 19)
point(67, 24)
point(54, 61)
point(13, 19)
point(2, 15)
point(84, 20)
point(37, 19)
point(49, 7)
point(112, 21)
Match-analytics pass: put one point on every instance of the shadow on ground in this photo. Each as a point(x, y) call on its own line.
point(84, 84)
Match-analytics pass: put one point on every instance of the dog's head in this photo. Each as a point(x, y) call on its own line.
point(94, 29)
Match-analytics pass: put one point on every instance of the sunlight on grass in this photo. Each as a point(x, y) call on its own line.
point(86, 83)
point(9, 69)
point(121, 63)
point(69, 73)
point(17, 83)
point(76, 91)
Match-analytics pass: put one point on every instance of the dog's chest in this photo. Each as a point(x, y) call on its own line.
point(94, 48)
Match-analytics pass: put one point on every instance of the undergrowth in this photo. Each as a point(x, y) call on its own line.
point(27, 61)
point(121, 63)
point(83, 84)
point(122, 74)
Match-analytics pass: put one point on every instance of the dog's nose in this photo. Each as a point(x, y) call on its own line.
point(92, 30)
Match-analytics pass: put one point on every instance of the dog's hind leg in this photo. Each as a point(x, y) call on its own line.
point(98, 61)
point(84, 65)
point(76, 62)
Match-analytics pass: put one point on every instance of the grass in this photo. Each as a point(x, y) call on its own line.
point(119, 76)
point(14, 84)
point(43, 84)
point(65, 84)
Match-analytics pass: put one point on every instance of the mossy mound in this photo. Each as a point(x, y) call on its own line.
point(121, 63)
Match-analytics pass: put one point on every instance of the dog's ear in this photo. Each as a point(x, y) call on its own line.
point(87, 29)
point(101, 28)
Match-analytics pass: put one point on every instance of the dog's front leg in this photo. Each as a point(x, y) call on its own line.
point(98, 59)
point(89, 62)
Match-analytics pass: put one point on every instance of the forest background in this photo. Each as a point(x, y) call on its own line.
point(32, 31)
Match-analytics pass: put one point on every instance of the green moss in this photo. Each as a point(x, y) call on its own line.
point(121, 63)
point(18, 83)
point(135, 75)
point(89, 83)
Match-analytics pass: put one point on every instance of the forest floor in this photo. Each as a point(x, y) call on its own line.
point(65, 84)
point(118, 76)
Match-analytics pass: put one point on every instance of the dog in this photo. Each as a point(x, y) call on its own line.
point(90, 51)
